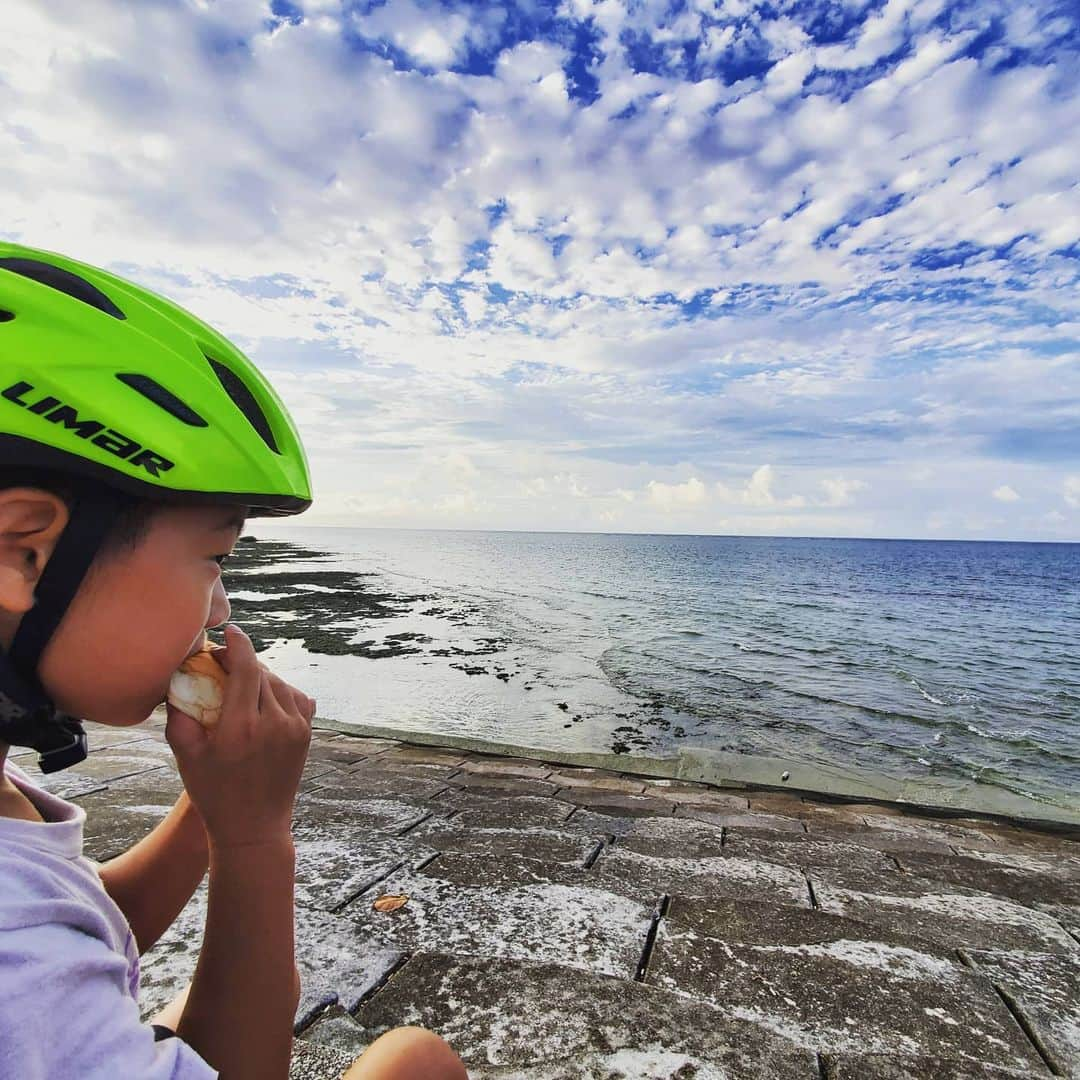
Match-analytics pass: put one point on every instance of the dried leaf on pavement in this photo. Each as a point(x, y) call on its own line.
point(390, 902)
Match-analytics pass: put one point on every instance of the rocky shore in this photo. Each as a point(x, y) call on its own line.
point(565, 923)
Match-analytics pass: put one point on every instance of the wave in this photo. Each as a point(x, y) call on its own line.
point(922, 689)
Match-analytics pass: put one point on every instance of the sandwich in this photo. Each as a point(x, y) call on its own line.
point(198, 687)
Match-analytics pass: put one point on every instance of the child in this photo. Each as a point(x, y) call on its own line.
point(134, 441)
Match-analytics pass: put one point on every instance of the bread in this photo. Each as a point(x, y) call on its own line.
point(198, 687)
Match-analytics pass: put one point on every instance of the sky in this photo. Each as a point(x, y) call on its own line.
point(794, 268)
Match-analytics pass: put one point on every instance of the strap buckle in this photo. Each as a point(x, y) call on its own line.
point(66, 754)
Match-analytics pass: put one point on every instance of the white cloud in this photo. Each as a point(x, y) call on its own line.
point(669, 496)
point(1005, 494)
point(758, 491)
point(840, 491)
point(694, 266)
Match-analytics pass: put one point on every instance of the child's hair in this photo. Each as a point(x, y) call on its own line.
point(130, 527)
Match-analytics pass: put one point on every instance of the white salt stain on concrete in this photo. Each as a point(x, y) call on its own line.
point(895, 960)
point(942, 1015)
point(829, 1038)
point(980, 909)
point(1060, 866)
point(707, 874)
point(578, 926)
point(331, 957)
point(1047, 986)
point(658, 1064)
point(329, 869)
point(388, 815)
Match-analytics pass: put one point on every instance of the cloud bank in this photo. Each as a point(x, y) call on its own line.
point(798, 268)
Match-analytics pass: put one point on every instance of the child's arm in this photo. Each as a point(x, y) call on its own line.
point(153, 881)
point(242, 778)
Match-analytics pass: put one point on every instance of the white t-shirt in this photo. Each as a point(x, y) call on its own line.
point(69, 966)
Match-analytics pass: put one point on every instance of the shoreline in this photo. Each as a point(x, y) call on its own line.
point(744, 771)
point(335, 616)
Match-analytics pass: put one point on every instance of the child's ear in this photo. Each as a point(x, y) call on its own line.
point(31, 522)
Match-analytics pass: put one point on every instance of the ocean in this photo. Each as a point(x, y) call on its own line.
point(945, 668)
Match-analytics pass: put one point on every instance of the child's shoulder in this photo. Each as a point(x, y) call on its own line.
point(23, 798)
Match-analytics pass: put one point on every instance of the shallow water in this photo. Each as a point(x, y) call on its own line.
point(914, 660)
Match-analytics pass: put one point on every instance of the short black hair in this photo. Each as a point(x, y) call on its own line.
point(131, 525)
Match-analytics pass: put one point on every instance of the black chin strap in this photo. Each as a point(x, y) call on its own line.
point(27, 715)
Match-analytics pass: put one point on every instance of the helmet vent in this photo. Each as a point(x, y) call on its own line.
point(245, 401)
point(167, 400)
point(6, 316)
point(64, 281)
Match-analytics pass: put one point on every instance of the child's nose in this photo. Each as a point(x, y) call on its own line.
point(220, 609)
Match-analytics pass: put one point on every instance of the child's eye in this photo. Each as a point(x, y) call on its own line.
point(220, 559)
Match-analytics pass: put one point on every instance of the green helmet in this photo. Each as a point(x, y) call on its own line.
point(102, 379)
point(106, 379)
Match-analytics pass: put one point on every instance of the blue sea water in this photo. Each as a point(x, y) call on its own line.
point(911, 659)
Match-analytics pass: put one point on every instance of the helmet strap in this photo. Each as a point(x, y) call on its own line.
point(27, 715)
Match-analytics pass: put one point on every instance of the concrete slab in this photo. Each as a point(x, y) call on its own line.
point(514, 786)
point(750, 823)
point(313, 769)
point(686, 789)
point(597, 780)
point(379, 816)
point(1062, 863)
point(613, 802)
point(898, 1067)
point(548, 845)
point(846, 996)
point(120, 815)
point(777, 802)
point(352, 785)
point(1066, 914)
point(430, 755)
point(108, 765)
point(101, 736)
point(878, 839)
point(829, 814)
point(480, 809)
point(1045, 987)
point(567, 1025)
point(702, 877)
point(662, 837)
point(948, 831)
point(310, 1061)
point(696, 795)
point(1015, 838)
point(938, 911)
point(370, 745)
point(345, 752)
point(863, 809)
point(1023, 878)
point(333, 865)
point(418, 770)
point(524, 767)
point(592, 823)
point(66, 785)
point(755, 922)
point(517, 908)
point(805, 852)
point(336, 963)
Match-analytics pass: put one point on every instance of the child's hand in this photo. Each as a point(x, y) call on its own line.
point(242, 776)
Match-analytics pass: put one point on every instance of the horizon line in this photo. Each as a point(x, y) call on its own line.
point(287, 522)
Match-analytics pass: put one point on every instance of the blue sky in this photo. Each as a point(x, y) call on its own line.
point(771, 268)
